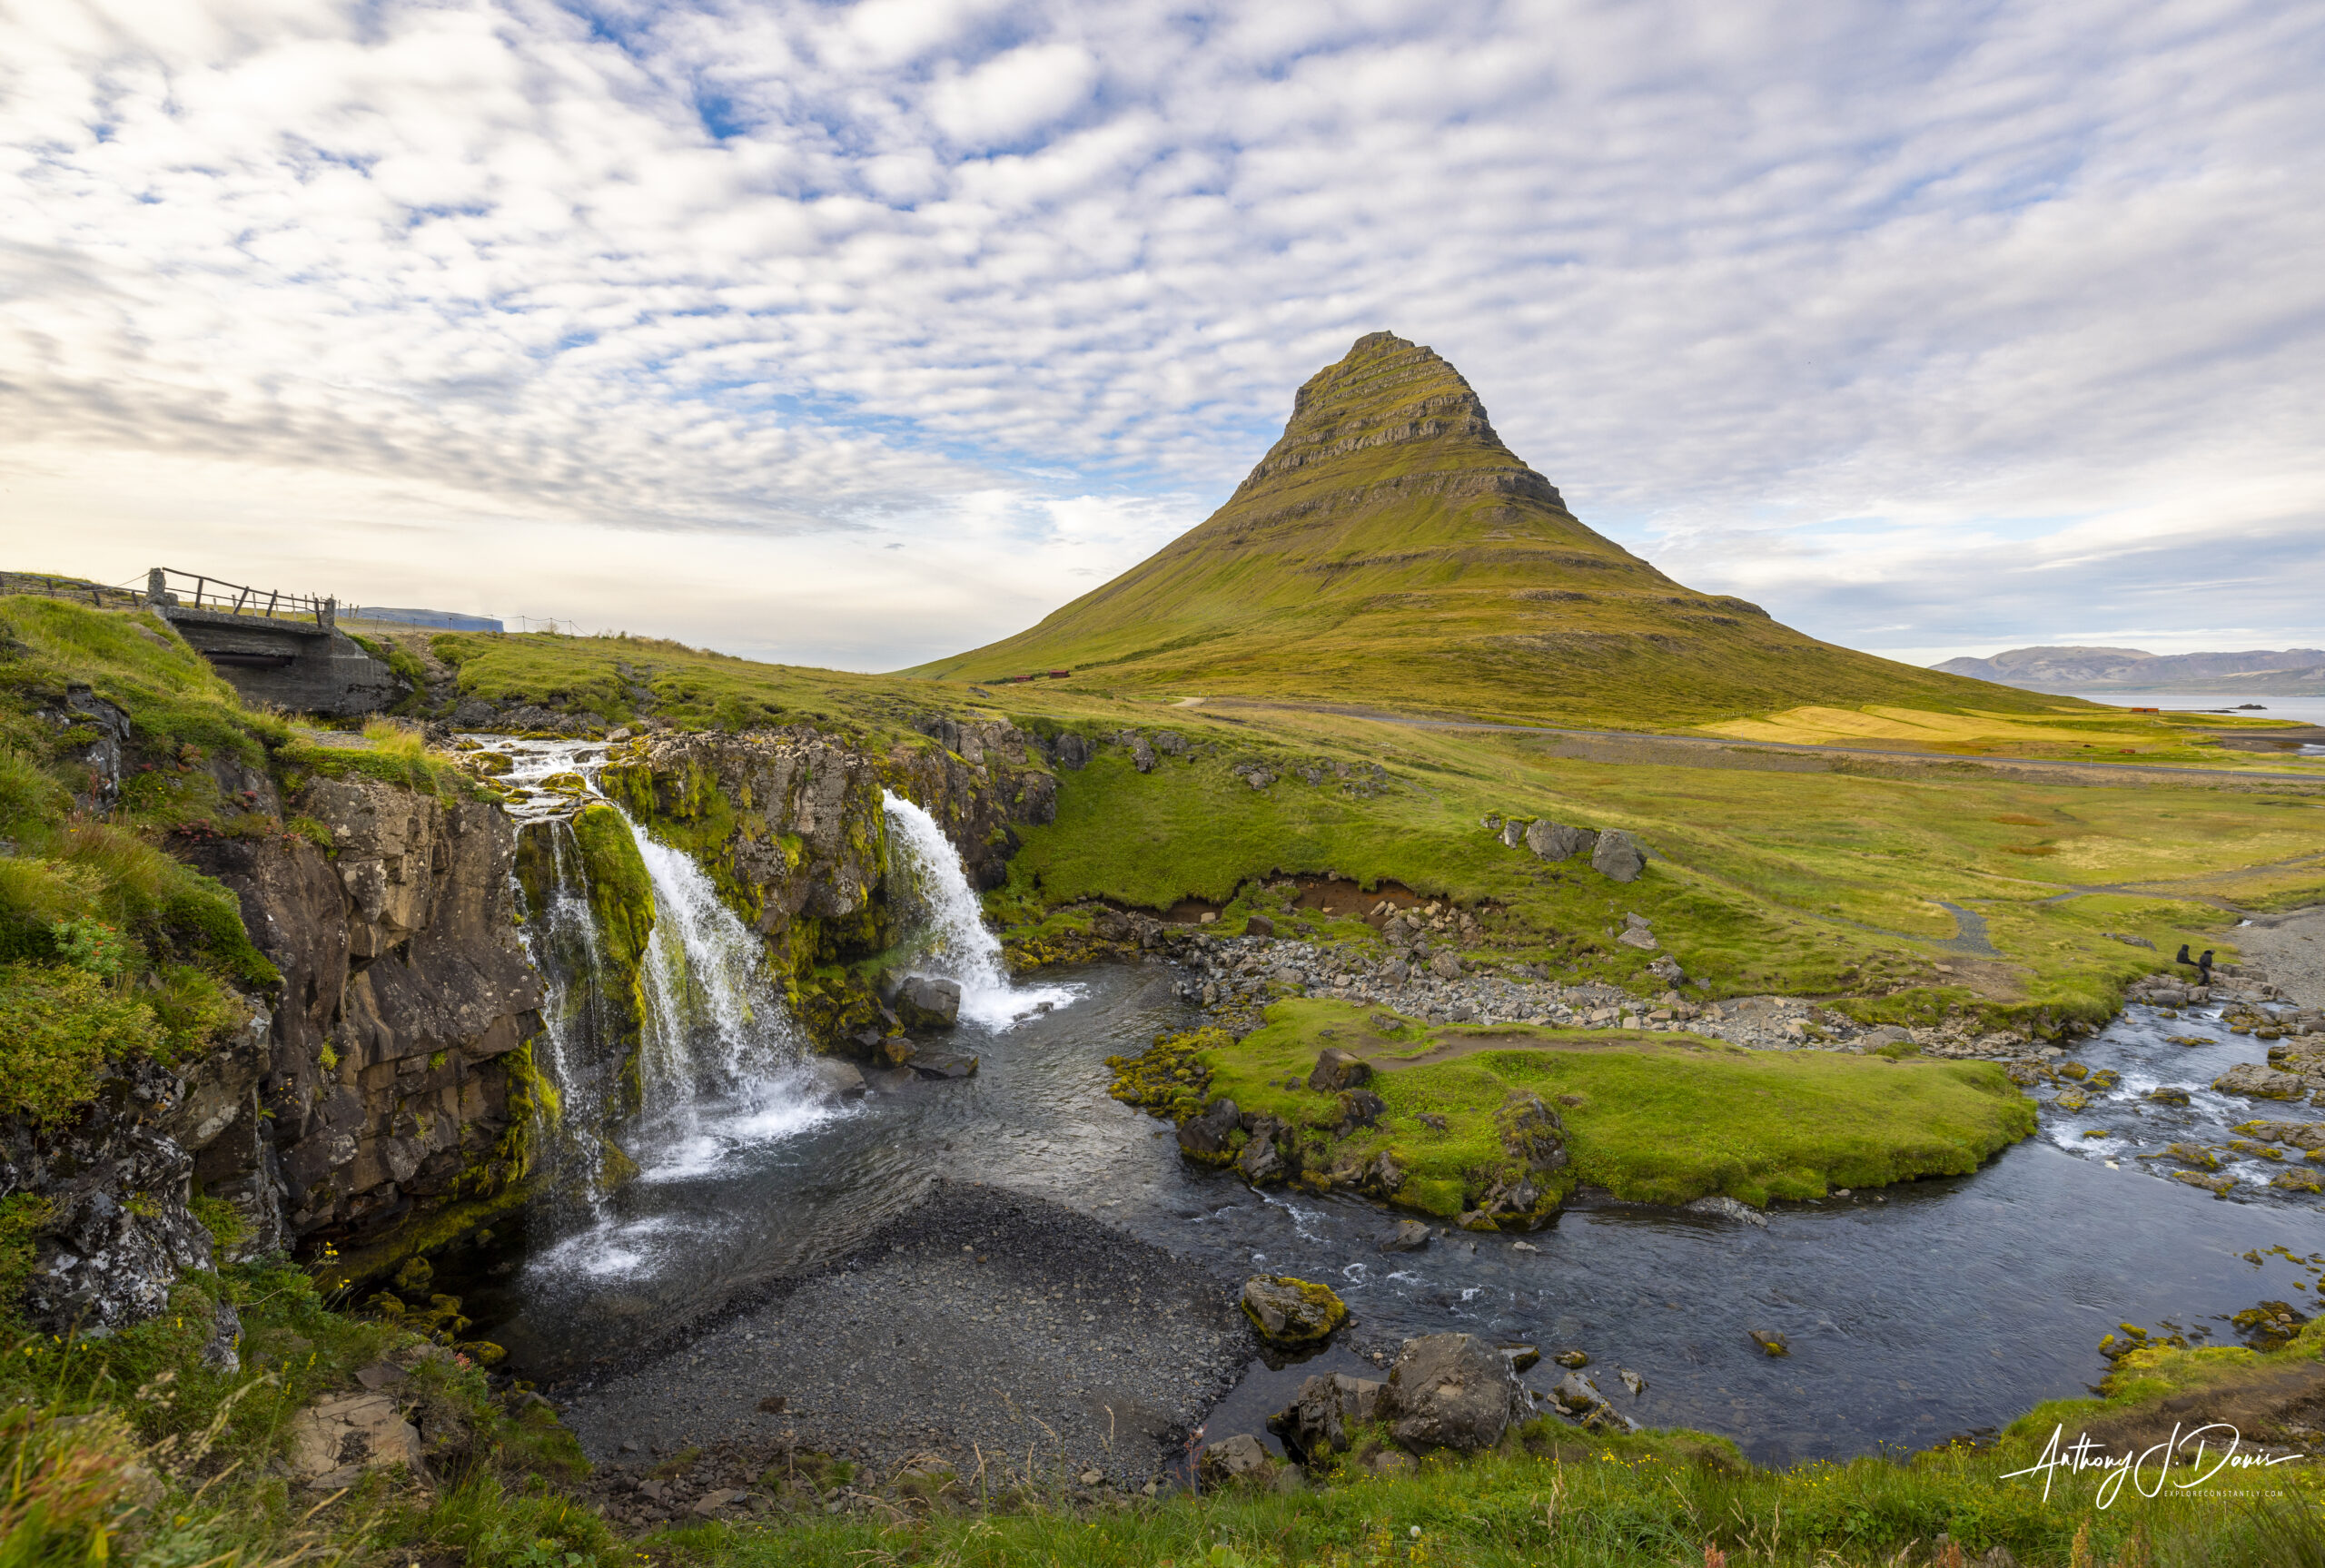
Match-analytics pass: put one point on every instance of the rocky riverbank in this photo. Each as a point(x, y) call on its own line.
point(981, 1328)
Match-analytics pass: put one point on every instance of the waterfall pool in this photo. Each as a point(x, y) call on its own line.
point(1914, 1314)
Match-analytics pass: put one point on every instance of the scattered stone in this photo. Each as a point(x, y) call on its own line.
point(1315, 1423)
point(1721, 1207)
point(341, 1435)
point(1572, 1359)
point(1769, 1340)
point(381, 1375)
point(2168, 1094)
point(1619, 857)
point(942, 1064)
point(1632, 1381)
point(1241, 1458)
point(1337, 1070)
point(2129, 940)
point(1291, 1312)
point(2255, 1081)
point(1259, 925)
point(1638, 937)
point(1522, 1356)
point(1410, 1236)
point(1552, 840)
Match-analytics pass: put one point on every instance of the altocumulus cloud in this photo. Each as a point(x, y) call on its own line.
point(1932, 327)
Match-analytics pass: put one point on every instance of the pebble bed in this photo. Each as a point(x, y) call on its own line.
point(982, 1329)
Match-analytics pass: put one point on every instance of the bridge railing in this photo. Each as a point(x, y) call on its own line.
point(167, 587)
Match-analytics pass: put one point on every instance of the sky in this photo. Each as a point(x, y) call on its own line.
point(859, 334)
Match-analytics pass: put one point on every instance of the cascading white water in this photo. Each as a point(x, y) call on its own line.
point(718, 1053)
point(714, 1023)
point(562, 938)
point(956, 945)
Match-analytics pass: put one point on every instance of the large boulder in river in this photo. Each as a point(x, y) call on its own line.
point(831, 1081)
point(1452, 1391)
point(1619, 857)
point(1292, 1313)
point(922, 1001)
point(1315, 1423)
point(1555, 841)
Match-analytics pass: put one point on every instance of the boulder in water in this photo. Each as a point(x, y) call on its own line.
point(942, 1064)
point(2257, 1082)
point(1410, 1236)
point(1452, 1391)
point(1722, 1207)
point(831, 1080)
point(1204, 1138)
point(922, 1001)
point(1290, 1312)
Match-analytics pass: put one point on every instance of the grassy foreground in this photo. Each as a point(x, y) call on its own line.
point(129, 1449)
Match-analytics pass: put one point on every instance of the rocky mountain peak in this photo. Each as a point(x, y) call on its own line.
point(1388, 391)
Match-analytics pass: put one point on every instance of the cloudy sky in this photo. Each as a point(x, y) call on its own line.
point(858, 334)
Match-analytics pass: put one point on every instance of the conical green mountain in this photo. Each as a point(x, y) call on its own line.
point(1390, 551)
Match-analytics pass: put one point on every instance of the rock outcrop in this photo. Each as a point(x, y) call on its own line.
point(396, 1079)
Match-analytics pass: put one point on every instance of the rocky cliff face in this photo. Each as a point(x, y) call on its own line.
point(397, 1073)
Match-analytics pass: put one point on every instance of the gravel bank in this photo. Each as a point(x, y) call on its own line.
point(2290, 949)
point(982, 1322)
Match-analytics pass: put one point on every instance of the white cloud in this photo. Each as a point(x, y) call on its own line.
point(1929, 327)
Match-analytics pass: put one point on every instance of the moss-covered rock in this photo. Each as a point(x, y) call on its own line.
point(1290, 1313)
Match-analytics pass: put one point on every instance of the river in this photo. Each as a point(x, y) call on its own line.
point(1914, 1314)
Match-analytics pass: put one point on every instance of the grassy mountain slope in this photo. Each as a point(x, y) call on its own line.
point(1389, 550)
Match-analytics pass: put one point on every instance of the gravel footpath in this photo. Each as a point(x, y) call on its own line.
point(982, 1322)
point(2290, 949)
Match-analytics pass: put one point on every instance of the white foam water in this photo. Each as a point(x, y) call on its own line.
point(956, 946)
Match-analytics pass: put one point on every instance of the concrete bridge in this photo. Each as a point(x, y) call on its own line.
point(274, 647)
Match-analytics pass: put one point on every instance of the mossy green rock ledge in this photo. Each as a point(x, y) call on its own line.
point(1292, 1313)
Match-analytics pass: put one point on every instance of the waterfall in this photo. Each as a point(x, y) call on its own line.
point(682, 1046)
point(715, 1023)
point(950, 921)
point(562, 938)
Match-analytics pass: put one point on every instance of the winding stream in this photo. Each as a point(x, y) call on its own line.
point(1914, 1314)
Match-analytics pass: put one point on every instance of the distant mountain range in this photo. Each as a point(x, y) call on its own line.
point(2283, 672)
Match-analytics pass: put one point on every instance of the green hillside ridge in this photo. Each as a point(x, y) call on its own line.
point(1390, 551)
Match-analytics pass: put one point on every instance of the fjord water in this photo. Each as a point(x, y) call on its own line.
point(1947, 1306)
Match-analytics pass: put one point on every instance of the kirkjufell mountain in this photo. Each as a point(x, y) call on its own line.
point(1389, 550)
